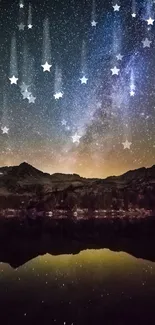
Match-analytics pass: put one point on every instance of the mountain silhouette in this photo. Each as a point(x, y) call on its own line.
point(25, 169)
point(23, 250)
point(135, 188)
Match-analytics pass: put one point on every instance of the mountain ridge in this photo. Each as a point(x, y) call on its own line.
point(25, 166)
point(25, 183)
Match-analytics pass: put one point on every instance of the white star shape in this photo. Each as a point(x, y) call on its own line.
point(150, 21)
point(24, 87)
point(31, 99)
point(127, 144)
point(94, 23)
point(21, 5)
point(116, 7)
point(29, 26)
point(64, 122)
point(99, 104)
point(115, 71)
point(132, 87)
point(46, 67)
point(133, 15)
point(84, 80)
point(13, 80)
point(132, 93)
point(21, 26)
point(58, 95)
point(26, 94)
point(5, 130)
point(76, 138)
point(119, 57)
point(146, 42)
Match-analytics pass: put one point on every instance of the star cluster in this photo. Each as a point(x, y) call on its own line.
point(77, 82)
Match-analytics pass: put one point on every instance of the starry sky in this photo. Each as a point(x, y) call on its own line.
point(77, 85)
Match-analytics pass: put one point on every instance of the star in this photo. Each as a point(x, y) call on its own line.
point(64, 122)
point(94, 23)
point(84, 80)
point(132, 93)
point(115, 71)
point(150, 21)
point(146, 42)
point(46, 66)
point(116, 7)
point(13, 80)
point(24, 87)
point(29, 26)
point(26, 94)
point(31, 99)
point(133, 15)
point(99, 105)
point(58, 95)
point(5, 130)
point(21, 5)
point(21, 26)
point(126, 144)
point(119, 57)
point(132, 87)
point(76, 138)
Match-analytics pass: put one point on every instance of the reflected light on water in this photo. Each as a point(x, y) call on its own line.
point(80, 285)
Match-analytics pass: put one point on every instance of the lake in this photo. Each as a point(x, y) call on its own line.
point(93, 287)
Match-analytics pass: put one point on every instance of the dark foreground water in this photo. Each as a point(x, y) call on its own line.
point(92, 287)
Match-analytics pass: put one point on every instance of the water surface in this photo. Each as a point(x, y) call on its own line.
point(92, 287)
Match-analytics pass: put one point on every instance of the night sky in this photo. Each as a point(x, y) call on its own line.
point(93, 111)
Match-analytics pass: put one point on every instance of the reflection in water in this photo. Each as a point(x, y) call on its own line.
point(89, 288)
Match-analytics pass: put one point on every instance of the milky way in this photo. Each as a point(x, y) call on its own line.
point(93, 111)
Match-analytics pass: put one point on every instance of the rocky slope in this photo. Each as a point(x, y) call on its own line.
point(26, 186)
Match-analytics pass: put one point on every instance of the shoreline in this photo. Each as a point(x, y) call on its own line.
point(77, 214)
